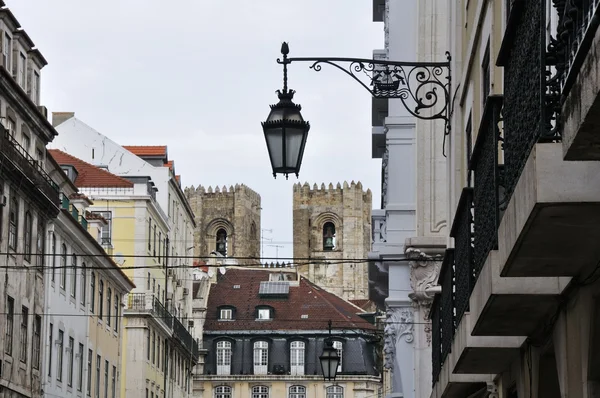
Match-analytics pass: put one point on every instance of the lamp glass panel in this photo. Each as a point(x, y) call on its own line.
point(293, 146)
point(276, 114)
point(274, 138)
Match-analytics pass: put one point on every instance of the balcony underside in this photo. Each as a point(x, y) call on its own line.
point(581, 109)
point(487, 360)
point(555, 211)
point(514, 314)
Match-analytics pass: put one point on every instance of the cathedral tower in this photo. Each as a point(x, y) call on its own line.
point(227, 221)
point(332, 225)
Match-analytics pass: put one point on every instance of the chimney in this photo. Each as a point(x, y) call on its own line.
point(60, 117)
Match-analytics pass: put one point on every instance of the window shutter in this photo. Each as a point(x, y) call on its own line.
point(2, 60)
point(15, 60)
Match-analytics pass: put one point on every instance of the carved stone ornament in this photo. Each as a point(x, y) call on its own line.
point(399, 324)
point(424, 271)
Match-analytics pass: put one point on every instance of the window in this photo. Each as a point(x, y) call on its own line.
point(63, 266)
point(37, 329)
point(158, 353)
point(7, 52)
point(335, 392)
point(10, 317)
point(260, 392)
point(59, 355)
point(261, 357)
point(223, 392)
point(159, 246)
point(26, 142)
point(98, 365)
point(89, 373)
point(24, 334)
point(153, 347)
point(83, 283)
point(154, 245)
point(264, 313)
point(13, 223)
point(148, 345)
point(21, 70)
point(149, 236)
point(35, 87)
point(74, 275)
point(297, 358)
point(93, 293)
point(80, 371)
point(100, 298)
point(297, 392)
point(40, 244)
point(223, 357)
point(117, 300)
point(485, 73)
point(50, 345)
point(70, 363)
point(106, 367)
point(106, 230)
point(222, 242)
point(27, 238)
point(226, 314)
point(338, 346)
point(328, 236)
point(114, 382)
point(108, 305)
point(53, 257)
point(148, 283)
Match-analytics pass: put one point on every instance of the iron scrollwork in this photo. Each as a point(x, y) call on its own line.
point(423, 87)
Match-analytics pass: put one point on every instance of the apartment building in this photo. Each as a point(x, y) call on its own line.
point(29, 200)
point(518, 311)
point(265, 330)
point(84, 296)
point(159, 350)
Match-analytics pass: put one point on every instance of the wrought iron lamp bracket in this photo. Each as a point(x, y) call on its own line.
point(423, 87)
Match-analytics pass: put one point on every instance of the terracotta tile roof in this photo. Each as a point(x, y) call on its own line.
point(364, 304)
point(147, 150)
point(170, 164)
point(94, 216)
point(307, 306)
point(88, 175)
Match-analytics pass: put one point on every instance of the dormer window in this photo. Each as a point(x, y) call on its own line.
point(264, 313)
point(222, 242)
point(226, 314)
point(328, 236)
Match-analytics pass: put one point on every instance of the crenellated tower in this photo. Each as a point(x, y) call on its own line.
point(227, 221)
point(332, 228)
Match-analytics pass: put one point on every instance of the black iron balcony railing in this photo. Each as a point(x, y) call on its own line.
point(462, 232)
point(181, 333)
point(448, 303)
point(16, 155)
point(486, 201)
point(146, 302)
point(578, 22)
point(436, 344)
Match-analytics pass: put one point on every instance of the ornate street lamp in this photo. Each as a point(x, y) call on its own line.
point(422, 87)
point(329, 359)
point(285, 129)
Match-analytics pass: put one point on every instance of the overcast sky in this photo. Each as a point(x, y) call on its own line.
point(198, 76)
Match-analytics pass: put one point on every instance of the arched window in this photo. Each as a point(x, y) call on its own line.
point(297, 392)
point(260, 392)
point(297, 358)
point(224, 357)
point(328, 236)
point(338, 346)
point(93, 293)
point(253, 234)
point(222, 242)
point(63, 266)
point(261, 357)
point(335, 392)
point(223, 392)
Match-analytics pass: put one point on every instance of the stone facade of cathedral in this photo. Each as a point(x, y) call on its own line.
point(227, 221)
point(332, 228)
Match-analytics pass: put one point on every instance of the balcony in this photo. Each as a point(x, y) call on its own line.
point(576, 59)
point(28, 173)
point(147, 303)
